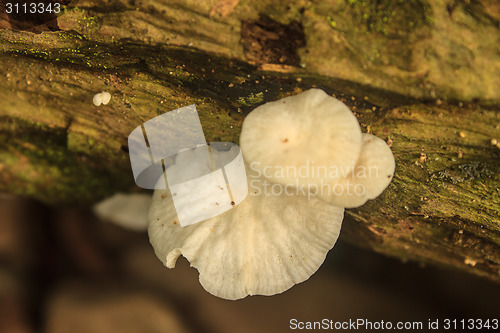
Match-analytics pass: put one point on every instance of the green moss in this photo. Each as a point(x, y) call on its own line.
point(385, 17)
point(331, 22)
point(45, 169)
point(85, 53)
point(88, 24)
point(472, 171)
point(284, 11)
point(252, 99)
point(372, 55)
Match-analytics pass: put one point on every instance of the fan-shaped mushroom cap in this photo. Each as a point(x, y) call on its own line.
point(372, 174)
point(127, 210)
point(263, 246)
point(309, 131)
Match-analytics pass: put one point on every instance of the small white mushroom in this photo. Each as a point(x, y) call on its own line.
point(263, 246)
point(303, 133)
point(101, 98)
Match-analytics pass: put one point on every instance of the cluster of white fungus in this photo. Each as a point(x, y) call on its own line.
point(268, 243)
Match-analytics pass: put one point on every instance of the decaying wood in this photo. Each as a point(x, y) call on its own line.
point(438, 108)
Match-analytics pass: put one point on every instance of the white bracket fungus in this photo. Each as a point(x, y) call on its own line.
point(299, 151)
point(101, 98)
point(263, 246)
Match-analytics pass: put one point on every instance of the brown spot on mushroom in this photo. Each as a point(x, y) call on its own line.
point(285, 140)
point(175, 221)
point(216, 203)
point(163, 196)
point(232, 203)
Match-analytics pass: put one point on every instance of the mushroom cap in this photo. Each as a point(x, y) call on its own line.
point(105, 97)
point(308, 131)
point(372, 174)
point(126, 210)
point(101, 98)
point(97, 99)
point(263, 246)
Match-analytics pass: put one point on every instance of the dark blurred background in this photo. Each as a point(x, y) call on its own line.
point(63, 270)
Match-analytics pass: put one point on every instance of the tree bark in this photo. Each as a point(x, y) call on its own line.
point(438, 109)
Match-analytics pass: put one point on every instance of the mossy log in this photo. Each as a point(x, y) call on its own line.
point(423, 76)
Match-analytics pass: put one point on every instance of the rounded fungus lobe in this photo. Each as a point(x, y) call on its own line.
point(105, 97)
point(126, 210)
point(304, 132)
point(97, 99)
point(372, 174)
point(263, 246)
point(101, 98)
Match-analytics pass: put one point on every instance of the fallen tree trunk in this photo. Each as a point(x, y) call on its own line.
point(443, 205)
